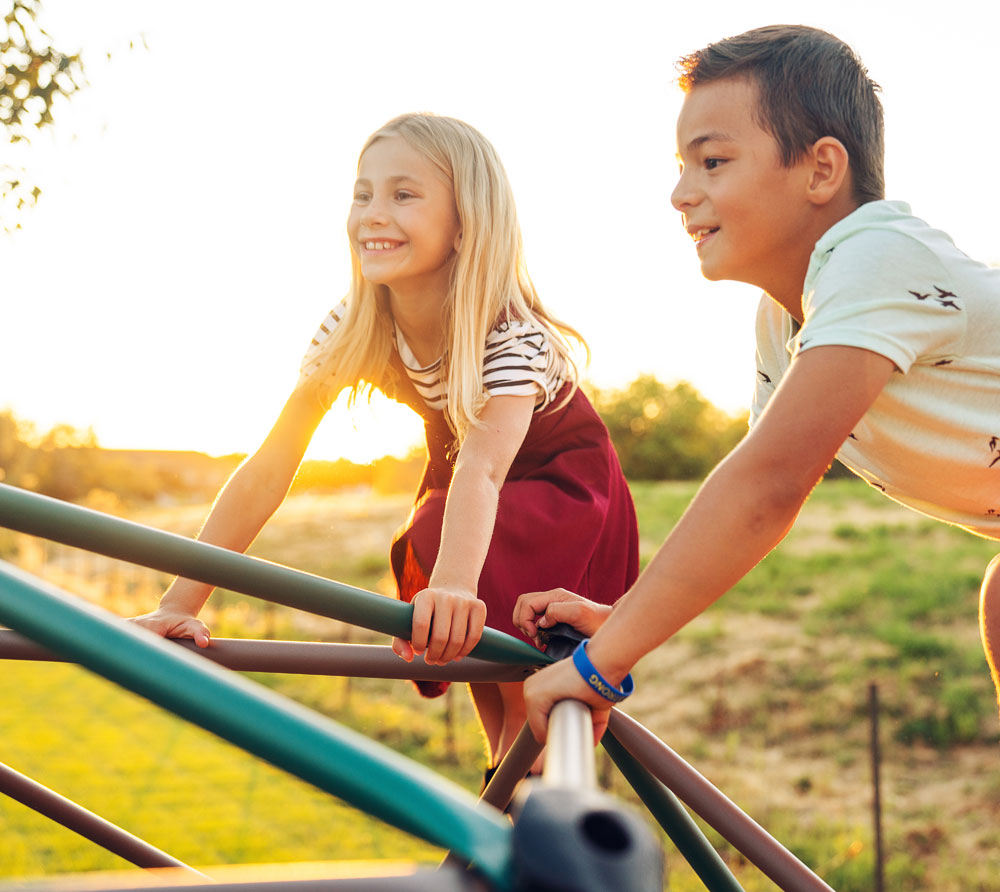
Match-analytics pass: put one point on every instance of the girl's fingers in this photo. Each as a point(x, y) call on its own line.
point(466, 630)
point(200, 634)
point(440, 632)
point(477, 622)
point(423, 613)
point(458, 632)
point(401, 648)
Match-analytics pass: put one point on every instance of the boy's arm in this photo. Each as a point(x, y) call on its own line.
point(741, 512)
point(448, 617)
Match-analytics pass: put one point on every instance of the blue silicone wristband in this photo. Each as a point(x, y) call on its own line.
point(597, 681)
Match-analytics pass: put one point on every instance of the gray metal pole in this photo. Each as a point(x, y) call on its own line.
point(570, 835)
point(88, 825)
point(773, 859)
point(569, 753)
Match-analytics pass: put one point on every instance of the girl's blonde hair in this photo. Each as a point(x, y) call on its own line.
point(489, 280)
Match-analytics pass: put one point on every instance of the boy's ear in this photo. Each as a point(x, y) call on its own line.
point(831, 169)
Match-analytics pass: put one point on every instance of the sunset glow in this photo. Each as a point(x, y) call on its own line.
point(190, 236)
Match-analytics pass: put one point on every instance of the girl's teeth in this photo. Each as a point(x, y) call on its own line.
point(377, 246)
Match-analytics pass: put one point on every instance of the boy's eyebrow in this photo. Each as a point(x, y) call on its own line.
point(713, 136)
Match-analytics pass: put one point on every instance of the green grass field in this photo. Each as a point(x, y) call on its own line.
point(765, 694)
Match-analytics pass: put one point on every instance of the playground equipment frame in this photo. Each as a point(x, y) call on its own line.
point(49, 624)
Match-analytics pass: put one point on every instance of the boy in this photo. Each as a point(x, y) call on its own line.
point(878, 343)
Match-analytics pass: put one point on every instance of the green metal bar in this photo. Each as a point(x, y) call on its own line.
point(114, 537)
point(674, 819)
point(304, 743)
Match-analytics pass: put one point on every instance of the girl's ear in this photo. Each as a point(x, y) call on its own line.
point(830, 171)
point(458, 240)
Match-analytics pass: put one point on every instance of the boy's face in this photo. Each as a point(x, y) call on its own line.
point(744, 209)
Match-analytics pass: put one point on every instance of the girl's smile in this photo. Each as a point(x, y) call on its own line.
point(379, 246)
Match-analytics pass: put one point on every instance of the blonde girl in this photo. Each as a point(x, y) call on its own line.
point(522, 489)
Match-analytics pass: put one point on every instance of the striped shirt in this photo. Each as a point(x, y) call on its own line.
point(519, 360)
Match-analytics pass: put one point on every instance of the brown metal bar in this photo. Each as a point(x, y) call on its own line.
point(88, 825)
point(512, 769)
point(445, 879)
point(306, 658)
point(759, 847)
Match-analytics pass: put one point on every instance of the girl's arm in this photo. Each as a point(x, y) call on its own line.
point(448, 617)
point(251, 495)
point(741, 512)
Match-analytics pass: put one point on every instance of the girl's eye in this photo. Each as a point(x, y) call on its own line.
point(403, 195)
point(713, 163)
point(362, 196)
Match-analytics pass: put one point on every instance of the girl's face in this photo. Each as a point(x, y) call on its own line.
point(403, 224)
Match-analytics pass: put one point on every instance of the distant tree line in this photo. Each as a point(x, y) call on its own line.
point(667, 432)
point(660, 433)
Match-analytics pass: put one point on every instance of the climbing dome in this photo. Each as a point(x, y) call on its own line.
point(558, 832)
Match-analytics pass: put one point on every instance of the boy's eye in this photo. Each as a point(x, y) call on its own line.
point(402, 195)
point(362, 196)
point(713, 163)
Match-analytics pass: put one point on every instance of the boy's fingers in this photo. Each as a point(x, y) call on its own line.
point(538, 721)
point(530, 605)
point(569, 612)
point(600, 718)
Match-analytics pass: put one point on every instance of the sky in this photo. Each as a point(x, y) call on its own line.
point(190, 236)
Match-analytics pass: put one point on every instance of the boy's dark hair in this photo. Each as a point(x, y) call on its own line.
point(810, 85)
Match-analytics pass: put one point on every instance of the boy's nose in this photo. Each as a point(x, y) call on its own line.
point(684, 194)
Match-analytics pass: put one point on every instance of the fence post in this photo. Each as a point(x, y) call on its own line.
point(876, 786)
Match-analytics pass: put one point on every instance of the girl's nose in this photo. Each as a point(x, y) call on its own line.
point(374, 212)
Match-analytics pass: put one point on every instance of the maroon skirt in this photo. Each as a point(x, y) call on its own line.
point(565, 517)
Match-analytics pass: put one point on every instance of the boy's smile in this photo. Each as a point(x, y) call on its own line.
point(748, 214)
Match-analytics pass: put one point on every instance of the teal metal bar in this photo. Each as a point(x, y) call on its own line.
point(674, 819)
point(304, 743)
point(114, 537)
